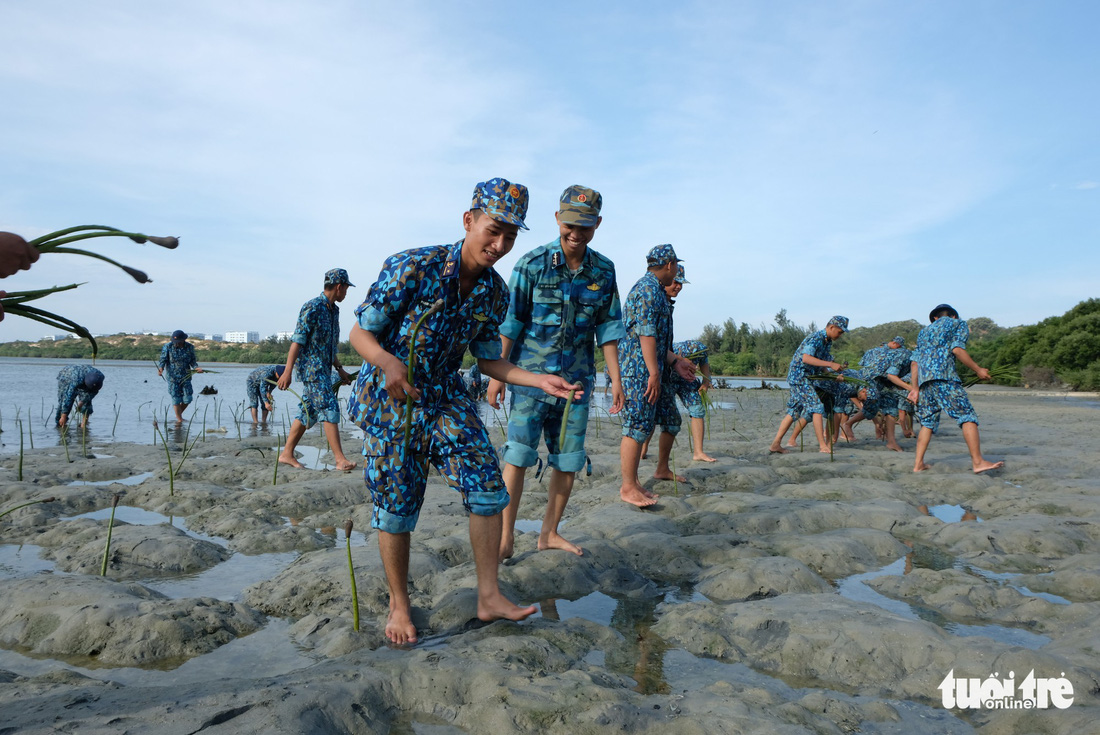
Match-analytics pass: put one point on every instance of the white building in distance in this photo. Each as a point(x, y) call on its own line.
point(243, 337)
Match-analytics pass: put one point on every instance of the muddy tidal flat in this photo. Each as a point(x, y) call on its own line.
point(796, 593)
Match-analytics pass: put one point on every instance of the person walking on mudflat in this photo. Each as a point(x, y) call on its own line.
point(312, 356)
point(444, 300)
point(77, 385)
point(812, 354)
point(178, 358)
point(646, 360)
point(935, 385)
point(564, 300)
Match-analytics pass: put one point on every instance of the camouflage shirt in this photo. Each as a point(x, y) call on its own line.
point(318, 332)
point(71, 389)
point(410, 282)
point(556, 317)
point(647, 313)
point(935, 345)
point(816, 345)
point(178, 360)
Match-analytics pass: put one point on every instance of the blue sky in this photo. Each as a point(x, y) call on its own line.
point(870, 159)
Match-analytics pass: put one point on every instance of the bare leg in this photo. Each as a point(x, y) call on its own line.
point(974, 444)
point(697, 453)
point(297, 431)
point(891, 436)
point(664, 451)
point(332, 432)
point(777, 443)
point(561, 486)
point(630, 453)
point(819, 429)
point(799, 425)
point(485, 541)
point(923, 440)
point(256, 417)
point(179, 412)
point(645, 445)
point(513, 480)
point(394, 550)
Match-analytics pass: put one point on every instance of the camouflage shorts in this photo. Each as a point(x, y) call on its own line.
point(944, 395)
point(180, 392)
point(458, 447)
point(531, 418)
point(318, 404)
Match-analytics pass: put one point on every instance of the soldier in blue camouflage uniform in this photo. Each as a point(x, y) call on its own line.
point(935, 385)
point(646, 361)
point(258, 387)
point(459, 302)
point(813, 354)
point(77, 385)
point(311, 358)
point(564, 301)
point(884, 368)
point(178, 358)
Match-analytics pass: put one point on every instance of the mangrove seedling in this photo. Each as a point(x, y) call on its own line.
point(110, 528)
point(24, 505)
point(565, 420)
point(20, 476)
point(351, 572)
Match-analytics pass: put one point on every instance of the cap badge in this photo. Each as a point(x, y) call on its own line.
point(582, 198)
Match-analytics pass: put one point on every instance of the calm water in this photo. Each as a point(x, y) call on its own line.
point(132, 392)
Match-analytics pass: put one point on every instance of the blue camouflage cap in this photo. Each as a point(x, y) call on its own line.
point(900, 340)
point(502, 200)
point(580, 206)
point(337, 277)
point(93, 380)
point(660, 255)
point(680, 277)
point(839, 321)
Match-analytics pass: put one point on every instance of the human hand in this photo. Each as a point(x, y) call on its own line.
point(913, 396)
point(618, 398)
point(559, 387)
point(397, 382)
point(62, 420)
point(684, 368)
point(284, 380)
point(982, 373)
point(653, 387)
point(15, 254)
point(495, 393)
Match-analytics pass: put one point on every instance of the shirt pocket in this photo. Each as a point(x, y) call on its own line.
point(588, 306)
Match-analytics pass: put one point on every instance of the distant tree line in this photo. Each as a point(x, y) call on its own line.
point(146, 347)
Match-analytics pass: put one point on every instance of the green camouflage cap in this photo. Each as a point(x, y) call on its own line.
point(660, 255)
point(502, 200)
point(680, 277)
point(580, 206)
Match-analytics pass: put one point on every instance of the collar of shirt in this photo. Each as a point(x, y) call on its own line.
point(451, 268)
point(557, 256)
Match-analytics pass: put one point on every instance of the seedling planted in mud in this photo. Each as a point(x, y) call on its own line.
point(351, 572)
point(24, 505)
point(110, 528)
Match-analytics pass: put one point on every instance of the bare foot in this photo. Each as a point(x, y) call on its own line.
point(908, 434)
point(507, 545)
point(792, 444)
point(345, 465)
point(776, 449)
point(703, 457)
point(987, 466)
point(895, 447)
point(920, 467)
point(554, 541)
point(498, 607)
point(668, 476)
point(399, 627)
point(824, 450)
point(290, 460)
point(637, 496)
